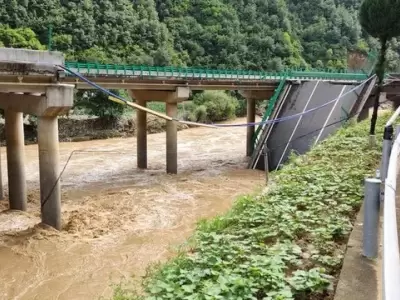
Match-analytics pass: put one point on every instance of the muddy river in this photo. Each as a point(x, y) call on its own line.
point(118, 220)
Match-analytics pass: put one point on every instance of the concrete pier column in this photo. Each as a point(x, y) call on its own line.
point(251, 118)
point(50, 191)
point(1, 180)
point(172, 139)
point(141, 120)
point(14, 131)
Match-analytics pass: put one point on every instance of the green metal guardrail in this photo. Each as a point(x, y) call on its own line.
point(268, 111)
point(179, 72)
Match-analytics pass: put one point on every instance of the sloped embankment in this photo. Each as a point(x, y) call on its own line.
point(288, 243)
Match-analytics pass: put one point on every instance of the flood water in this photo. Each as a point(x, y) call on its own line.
point(118, 220)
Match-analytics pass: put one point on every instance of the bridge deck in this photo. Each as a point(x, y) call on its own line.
point(148, 77)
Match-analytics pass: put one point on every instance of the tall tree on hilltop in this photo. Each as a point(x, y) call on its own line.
point(380, 18)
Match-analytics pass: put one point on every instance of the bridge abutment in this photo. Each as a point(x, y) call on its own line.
point(14, 132)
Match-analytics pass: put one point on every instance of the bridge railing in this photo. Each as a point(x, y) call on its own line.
point(93, 69)
point(389, 170)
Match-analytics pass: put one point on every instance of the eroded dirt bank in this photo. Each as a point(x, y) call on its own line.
point(117, 220)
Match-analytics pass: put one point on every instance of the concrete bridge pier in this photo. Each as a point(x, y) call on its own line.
point(172, 137)
point(58, 100)
point(1, 181)
point(14, 132)
point(252, 97)
point(171, 99)
point(46, 103)
point(141, 128)
point(251, 118)
point(50, 189)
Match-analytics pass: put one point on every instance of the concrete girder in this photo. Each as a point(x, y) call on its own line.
point(257, 94)
point(178, 95)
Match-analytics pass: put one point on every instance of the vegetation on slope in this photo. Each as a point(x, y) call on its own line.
point(255, 35)
point(287, 243)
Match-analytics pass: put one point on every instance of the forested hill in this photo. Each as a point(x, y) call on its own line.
point(249, 34)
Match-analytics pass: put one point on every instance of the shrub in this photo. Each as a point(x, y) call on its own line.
point(219, 105)
point(200, 114)
point(241, 108)
point(96, 103)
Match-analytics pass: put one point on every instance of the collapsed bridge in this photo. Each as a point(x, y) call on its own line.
point(41, 83)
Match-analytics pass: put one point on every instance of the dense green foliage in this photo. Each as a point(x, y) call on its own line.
point(287, 243)
point(96, 103)
point(19, 38)
point(254, 34)
point(248, 34)
point(213, 106)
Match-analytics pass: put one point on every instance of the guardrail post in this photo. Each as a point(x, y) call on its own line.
point(386, 149)
point(371, 217)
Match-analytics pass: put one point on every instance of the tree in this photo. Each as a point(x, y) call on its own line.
point(380, 18)
point(96, 103)
point(19, 38)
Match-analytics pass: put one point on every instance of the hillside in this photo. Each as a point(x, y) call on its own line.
point(250, 34)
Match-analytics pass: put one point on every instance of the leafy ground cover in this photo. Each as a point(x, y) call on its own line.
point(287, 243)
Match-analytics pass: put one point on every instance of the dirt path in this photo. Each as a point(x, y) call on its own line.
point(118, 220)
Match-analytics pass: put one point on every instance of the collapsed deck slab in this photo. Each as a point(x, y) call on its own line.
point(300, 133)
point(15, 64)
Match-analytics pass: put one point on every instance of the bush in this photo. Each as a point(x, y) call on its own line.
point(219, 105)
point(241, 108)
point(200, 114)
point(96, 103)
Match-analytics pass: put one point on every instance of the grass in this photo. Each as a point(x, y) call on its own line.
point(287, 243)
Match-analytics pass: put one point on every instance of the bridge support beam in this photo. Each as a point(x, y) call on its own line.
point(141, 121)
point(141, 127)
point(1, 181)
point(46, 105)
point(14, 131)
point(172, 139)
point(141, 135)
point(252, 96)
point(50, 190)
point(251, 118)
point(171, 99)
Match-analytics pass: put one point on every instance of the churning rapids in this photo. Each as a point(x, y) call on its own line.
point(118, 220)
